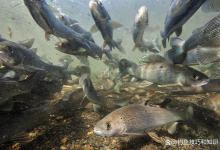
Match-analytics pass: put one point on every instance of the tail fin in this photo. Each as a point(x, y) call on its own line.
point(108, 54)
point(117, 44)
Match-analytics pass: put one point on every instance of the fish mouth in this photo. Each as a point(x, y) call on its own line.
point(201, 83)
point(98, 132)
point(93, 4)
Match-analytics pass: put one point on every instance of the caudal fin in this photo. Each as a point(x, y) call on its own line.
point(116, 44)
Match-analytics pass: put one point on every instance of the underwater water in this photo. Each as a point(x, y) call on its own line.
point(53, 113)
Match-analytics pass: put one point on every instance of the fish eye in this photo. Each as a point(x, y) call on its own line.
point(108, 126)
point(195, 77)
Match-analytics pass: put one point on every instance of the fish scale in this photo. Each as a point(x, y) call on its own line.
point(208, 35)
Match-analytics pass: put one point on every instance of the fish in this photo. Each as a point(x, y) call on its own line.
point(161, 72)
point(15, 55)
point(104, 24)
point(18, 57)
point(196, 56)
point(205, 36)
point(136, 119)
point(141, 23)
point(179, 13)
point(139, 27)
point(46, 19)
point(89, 90)
point(74, 25)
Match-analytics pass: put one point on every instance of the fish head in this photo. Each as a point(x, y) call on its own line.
point(109, 126)
point(94, 6)
point(9, 56)
point(97, 9)
point(192, 77)
point(142, 15)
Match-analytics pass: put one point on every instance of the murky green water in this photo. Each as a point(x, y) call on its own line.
point(77, 124)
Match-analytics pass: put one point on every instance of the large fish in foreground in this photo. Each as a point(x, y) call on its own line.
point(136, 120)
point(179, 13)
point(104, 24)
point(161, 72)
point(140, 25)
point(46, 19)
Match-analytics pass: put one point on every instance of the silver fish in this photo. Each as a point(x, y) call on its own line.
point(104, 24)
point(179, 13)
point(160, 72)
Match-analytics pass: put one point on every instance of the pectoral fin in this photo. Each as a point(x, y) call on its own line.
point(116, 25)
point(156, 138)
point(172, 128)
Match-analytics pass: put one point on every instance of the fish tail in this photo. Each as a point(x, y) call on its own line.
point(118, 45)
point(108, 54)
